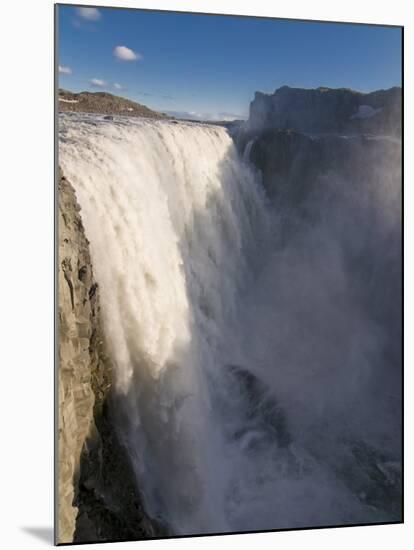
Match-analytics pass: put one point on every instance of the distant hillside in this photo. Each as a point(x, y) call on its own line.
point(104, 103)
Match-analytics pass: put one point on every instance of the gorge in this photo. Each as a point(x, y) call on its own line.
point(231, 322)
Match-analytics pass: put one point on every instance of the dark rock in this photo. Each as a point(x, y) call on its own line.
point(327, 110)
point(256, 410)
point(82, 273)
point(108, 499)
point(294, 165)
point(373, 476)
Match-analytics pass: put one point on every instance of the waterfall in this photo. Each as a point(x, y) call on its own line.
point(251, 371)
point(247, 150)
point(173, 219)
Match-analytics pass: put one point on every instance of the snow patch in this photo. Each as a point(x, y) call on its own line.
point(68, 100)
point(366, 111)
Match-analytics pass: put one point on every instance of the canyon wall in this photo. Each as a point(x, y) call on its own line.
point(328, 110)
point(334, 182)
point(298, 137)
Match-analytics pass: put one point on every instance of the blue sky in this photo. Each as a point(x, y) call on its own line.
point(212, 65)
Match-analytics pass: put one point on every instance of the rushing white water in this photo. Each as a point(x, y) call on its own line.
point(247, 150)
point(173, 217)
point(224, 363)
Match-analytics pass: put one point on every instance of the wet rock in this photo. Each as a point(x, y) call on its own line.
point(260, 417)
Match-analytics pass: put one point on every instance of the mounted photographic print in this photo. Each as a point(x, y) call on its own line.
point(229, 274)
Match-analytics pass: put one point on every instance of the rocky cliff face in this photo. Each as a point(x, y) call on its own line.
point(327, 110)
point(78, 311)
point(298, 137)
point(293, 165)
point(98, 496)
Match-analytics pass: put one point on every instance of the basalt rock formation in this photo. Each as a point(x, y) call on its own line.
point(328, 110)
point(297, 137)
point(98, 495)
point(293, 165)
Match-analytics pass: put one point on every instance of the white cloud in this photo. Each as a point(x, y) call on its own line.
point(64, 70)
point(91, 14)
point(118, 86)
point(98, 83)
point(126, 54)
